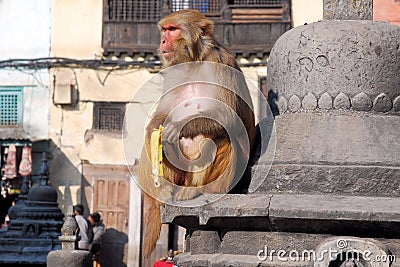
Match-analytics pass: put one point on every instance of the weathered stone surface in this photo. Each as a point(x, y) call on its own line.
point(295, 213)
point(336, 56)
point(250, 242)
point(215, 260)
point(382, 103)
point(294, 103)
point(69, 258)
point(328, 152)
point(396, 104)
point(348, 9)
point(325, 101)
point(341, 101)
point(335, 139)
point(361, 102)
point(375, 216)
point(344, 244)
point(325, 179)
point(309, 102)
point(282, 104)
point(205, 242)
point(243, 207)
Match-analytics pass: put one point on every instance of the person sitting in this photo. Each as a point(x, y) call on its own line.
point(83, 227)
point(98, 231)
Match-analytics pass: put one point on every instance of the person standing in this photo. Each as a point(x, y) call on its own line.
point(98, 231)
point(83, 227)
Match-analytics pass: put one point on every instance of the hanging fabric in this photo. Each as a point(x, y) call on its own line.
point(10, 169)
point(25, 166)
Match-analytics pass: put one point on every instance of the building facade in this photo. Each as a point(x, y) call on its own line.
point(80, 65)
point(24, 93)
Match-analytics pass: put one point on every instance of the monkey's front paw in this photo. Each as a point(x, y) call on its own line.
point(186, 193)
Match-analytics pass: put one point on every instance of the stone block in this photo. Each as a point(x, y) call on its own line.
point(205, 242)
point(350, 215)
point(69, 258)
point(250, 242)
point(328, 179)
point(348, 9)
point(219, 260)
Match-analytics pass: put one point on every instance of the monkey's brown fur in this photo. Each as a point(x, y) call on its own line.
point(194, 41)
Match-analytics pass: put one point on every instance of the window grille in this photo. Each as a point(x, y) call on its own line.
point(11, 106)
point(131, 10)
point(109, 116)
point(208, 7)
point(270, 3)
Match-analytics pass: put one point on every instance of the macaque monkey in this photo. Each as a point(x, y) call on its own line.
point(199, 120)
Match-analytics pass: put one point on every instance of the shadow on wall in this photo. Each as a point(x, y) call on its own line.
point(114, 248)
point(65, 177)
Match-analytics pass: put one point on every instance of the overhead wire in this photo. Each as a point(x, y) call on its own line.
point(54, 62)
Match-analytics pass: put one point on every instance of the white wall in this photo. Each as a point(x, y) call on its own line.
point(306, 11)
point(25, 34)
point(24, 28)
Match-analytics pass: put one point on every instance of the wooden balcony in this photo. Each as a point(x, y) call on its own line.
point(243, 29)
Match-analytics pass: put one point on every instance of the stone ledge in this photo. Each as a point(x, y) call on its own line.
point(239, 207)
point(340, 215)
point(371, 181)
point(331, 214)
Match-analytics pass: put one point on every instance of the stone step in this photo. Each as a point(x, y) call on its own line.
point(250, 242)
point(207, 260)
point(208, 248)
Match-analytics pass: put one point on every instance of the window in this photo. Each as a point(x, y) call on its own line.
point(258, 2)
point(208, 7)
point(11, 106)
point(130, 26)
point(129, 10)
point(108, 116)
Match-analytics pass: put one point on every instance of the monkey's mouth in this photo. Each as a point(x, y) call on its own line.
point(168, 54)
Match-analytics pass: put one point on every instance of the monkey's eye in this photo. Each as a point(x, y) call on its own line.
point(169, 28)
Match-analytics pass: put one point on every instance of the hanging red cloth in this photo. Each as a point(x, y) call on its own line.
point(25, 167)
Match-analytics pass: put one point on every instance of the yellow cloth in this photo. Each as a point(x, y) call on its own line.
point(156, 155)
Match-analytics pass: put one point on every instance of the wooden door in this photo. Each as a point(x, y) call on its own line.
point(107, 192)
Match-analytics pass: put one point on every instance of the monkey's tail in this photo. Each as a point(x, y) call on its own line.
point(152, 224)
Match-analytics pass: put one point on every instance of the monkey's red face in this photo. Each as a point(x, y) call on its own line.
point(170, 33)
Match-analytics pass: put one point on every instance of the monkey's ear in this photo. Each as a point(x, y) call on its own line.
point(207, 27)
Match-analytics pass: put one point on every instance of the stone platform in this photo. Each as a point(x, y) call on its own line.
point(232, 230)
